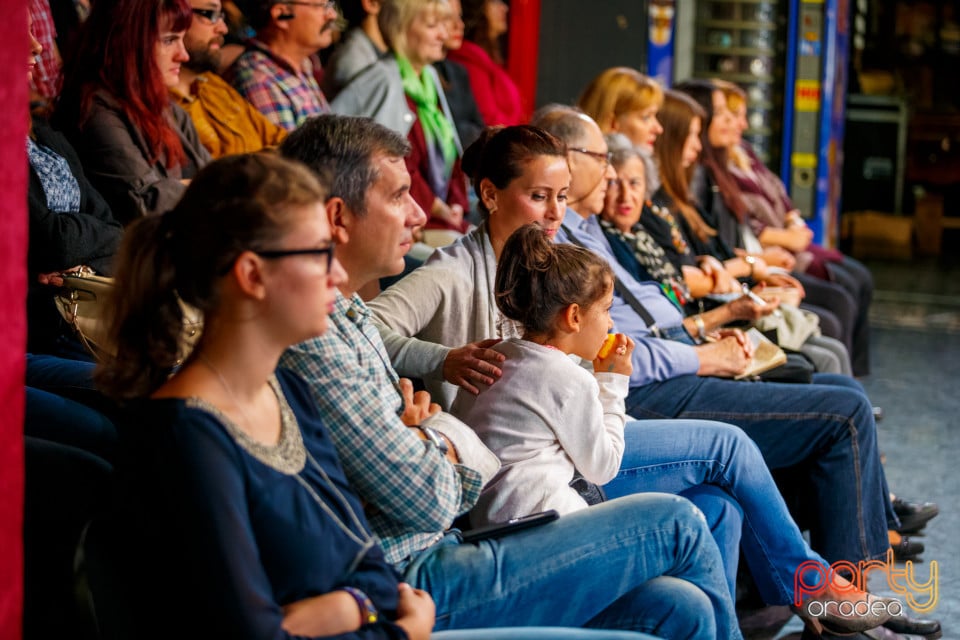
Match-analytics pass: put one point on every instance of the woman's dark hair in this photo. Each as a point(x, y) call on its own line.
point(500, 153)
point(715, 159)
point(115, 52)
point(235, 204)
point(675, 116)
point(476, 29)
point(537, 279)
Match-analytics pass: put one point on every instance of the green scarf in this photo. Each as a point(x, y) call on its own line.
point(436, 127)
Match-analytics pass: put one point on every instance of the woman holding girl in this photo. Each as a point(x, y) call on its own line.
point(402, 91)
point(521, 177)
point(580, 415)
point(137, 147)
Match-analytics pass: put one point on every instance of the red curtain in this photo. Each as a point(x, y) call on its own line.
point(524, 49)
point(13, 273)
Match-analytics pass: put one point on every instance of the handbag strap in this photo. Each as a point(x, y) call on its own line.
point(621, 288)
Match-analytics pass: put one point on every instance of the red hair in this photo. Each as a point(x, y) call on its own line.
point(116, 52)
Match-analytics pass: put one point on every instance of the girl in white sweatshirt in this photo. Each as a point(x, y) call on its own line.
point(548, 416)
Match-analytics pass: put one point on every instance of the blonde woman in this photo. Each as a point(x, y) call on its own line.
point(402, 91)
point(623, 100)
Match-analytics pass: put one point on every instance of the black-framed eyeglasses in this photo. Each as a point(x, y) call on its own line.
point(273, 254)
point(212, 15)
point(329, 4)
point(604, 158)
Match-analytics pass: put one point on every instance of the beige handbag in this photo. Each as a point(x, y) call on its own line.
point(793, 326)
point(81, 303)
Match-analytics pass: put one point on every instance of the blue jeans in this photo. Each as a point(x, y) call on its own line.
point(64, 406)
point(673, 456)
point(724, 517)
point(827, 427)
point(641, 563)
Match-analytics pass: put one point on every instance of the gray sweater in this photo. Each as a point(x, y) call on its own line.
point(445, 303)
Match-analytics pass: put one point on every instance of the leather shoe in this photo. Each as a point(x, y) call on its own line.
point(914, 515)
point(831, 620)
point(904, 624)
point(904, 548)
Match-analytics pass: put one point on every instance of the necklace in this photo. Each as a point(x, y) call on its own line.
point(226, 387)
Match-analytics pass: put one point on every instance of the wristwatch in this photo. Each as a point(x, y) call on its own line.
point(750, 260)
point(435, 438)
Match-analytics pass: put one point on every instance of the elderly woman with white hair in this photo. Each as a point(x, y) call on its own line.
point(403, 91)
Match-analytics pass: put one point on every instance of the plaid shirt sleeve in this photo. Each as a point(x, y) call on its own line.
point(263, 90)
point(413, 493)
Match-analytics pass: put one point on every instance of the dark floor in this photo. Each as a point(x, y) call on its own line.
point(916, 380)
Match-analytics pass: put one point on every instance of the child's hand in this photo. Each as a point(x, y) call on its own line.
point(614, 356)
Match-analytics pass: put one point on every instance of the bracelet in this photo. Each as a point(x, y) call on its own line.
point(701, 328)
point(368, 612)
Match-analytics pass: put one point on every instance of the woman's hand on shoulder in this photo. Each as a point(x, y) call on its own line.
point(415, 612)
point(473, 363)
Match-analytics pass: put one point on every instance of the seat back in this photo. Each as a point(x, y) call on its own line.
point(64, 487)
point(104, 593)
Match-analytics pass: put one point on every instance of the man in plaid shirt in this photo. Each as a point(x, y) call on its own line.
point(416, 481)
point(276, 71)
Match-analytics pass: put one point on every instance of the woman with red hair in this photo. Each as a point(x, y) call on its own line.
point(137, 147)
